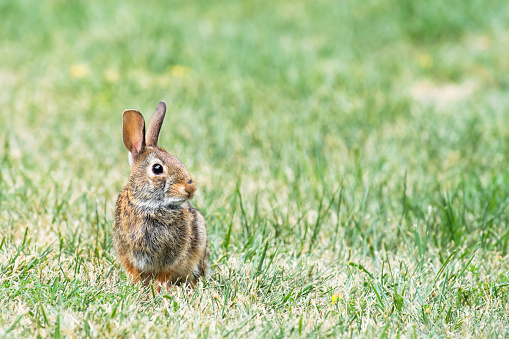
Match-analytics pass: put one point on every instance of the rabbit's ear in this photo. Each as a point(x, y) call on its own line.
point(155, 124)
point(133, 131)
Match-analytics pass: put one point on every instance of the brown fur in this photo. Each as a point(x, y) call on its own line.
point(157, 234)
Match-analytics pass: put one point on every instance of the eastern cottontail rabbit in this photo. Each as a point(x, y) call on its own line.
point(157, 233)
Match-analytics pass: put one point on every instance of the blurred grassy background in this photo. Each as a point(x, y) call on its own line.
point(321, 134)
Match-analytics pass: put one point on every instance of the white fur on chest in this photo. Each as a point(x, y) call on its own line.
point(142, 261)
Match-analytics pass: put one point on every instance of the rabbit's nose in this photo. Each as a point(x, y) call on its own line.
point(190, 188)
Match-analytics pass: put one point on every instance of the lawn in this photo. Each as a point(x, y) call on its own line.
point(351, 159)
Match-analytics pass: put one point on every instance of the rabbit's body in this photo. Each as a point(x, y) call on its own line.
point(157, 233)
point(147, 245)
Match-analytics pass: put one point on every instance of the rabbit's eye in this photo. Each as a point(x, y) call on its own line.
point(157, 169)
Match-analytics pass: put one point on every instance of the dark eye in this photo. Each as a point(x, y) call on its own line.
point(157, 169)
point(189, 181)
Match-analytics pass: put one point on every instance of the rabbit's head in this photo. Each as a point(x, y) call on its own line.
point(158, 179)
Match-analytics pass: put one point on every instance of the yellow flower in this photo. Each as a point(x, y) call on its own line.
point(179, 71)
point(336, 297)
point(425, 60)
point(79, 70)
point(111, 75)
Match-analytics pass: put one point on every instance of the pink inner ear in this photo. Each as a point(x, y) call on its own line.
point(137, 144)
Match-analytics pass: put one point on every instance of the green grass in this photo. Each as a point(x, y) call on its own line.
point(351, 160)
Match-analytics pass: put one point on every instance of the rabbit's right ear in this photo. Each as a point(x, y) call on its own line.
point(133, 132)
point(155, 124)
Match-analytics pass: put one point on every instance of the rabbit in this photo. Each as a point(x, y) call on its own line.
point(157, 234)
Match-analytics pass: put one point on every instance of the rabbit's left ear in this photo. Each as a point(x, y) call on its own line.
point(155, 124)
point(133, 131)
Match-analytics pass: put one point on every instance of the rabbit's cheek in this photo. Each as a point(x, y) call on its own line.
point(158, 182)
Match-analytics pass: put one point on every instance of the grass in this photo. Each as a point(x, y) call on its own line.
point(351, 159)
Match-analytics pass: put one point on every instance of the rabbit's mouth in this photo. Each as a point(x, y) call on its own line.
point(178, 194)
